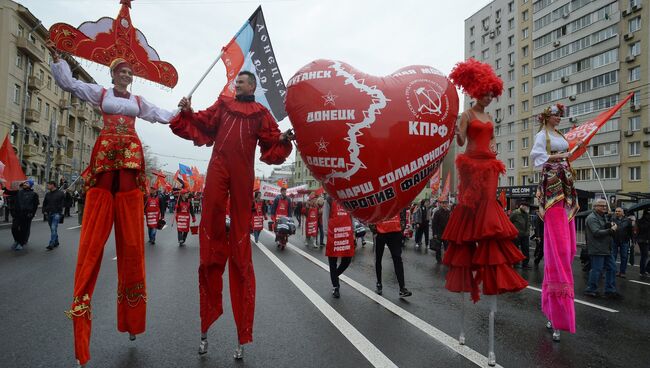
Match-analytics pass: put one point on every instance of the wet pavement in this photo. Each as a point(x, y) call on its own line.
point(297, 322)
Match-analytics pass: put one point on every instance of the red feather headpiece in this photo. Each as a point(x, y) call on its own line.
point(476, 79)
point(108, 39)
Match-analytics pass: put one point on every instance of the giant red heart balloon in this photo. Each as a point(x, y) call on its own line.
point(373, 142)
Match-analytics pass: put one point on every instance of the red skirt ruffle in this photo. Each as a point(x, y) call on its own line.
point(480, 234)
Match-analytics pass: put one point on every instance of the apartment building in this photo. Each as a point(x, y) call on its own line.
point(52, 132)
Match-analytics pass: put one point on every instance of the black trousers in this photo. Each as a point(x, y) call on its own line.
point(336, 271)
point(20, 229)
point(539, 250)
point(394, 242)
point(182, 235)
point(523, 244)
point(423, 229)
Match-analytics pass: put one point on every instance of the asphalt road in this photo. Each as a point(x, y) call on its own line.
point(297, 322)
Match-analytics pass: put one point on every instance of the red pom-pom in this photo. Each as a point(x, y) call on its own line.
point(476, 79)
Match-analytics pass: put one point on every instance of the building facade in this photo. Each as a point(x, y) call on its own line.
point(585, 54)
point(52, 132)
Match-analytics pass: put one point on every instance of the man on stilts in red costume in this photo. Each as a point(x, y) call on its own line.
point(234, 126)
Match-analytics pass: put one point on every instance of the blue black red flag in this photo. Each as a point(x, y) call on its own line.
point(251, 50)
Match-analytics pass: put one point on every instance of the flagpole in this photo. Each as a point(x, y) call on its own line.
point(599, 182)
point(189, 95)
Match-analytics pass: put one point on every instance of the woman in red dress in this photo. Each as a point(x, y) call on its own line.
point(479, 232)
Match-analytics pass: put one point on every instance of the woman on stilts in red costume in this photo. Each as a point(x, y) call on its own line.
point(481, 252)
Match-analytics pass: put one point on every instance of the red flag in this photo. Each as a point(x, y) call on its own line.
point(502, 199)
point(257, 184)
point(13, 172)
point(435, 180)
point(282, 183)
point(445, 191)
point(580, 136)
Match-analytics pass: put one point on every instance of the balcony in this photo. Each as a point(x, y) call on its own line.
point(30, 49)
point(98, 125)
point(82, 114)
point(64, 131)
point(30, 150)
point(32, 115)
point(34, 83)
point(62, 160)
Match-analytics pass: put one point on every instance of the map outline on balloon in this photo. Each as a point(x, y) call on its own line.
point(106, 39)
point(382, 107)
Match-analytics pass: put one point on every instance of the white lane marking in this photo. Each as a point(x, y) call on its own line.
point(360, 342)
point(74, 227)
point(450, 342)
point(164, 227)
point(639, 282)
point(582, 302)
point(115, 258)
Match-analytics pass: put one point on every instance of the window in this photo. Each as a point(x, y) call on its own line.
point(497, 14)
point(524, 161)
point(499, 114)
point(524, 179)
point(634, 74)
point(607, 149)
point(634, 24)
point(511, 75)
point(471, 46)
point(634, 3)
point(511, 24)
point(21, 31)
point(498, 147)
point(486, 23)
point(511, 7)
point(635, 173)
point(39, 104)
point(607, 172)
point(634, 123)
point(49, 82)
point(497, 131)
point(485, 54)
point(524, 126)
point(497, 64)
point(525, 69)
point(511, 128)
point(511, 146)
point(16, 94)
point(511, 109)
point(471, 31)
point(511, 92)
point(524, 51)
point(41, 75)
point(47, 111)
point(19, 60)
point(511, 163)
point(524, 33)
point(525, 105)
point(511, 181)
point(634, 148)
point(524, 142)
point(524, 87)
point(635, 48)
point(511, 41)
point(525, 15)
point(511, 58)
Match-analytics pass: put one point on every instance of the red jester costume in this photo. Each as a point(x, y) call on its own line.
point(234, 126)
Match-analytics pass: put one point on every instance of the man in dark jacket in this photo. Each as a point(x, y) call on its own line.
point(643, 238)
point(53, 204)
point(67, 199)
point(521, 220)
point(622, 238)
point(24, 209)
point(538, 236)
point(421, 223)
point(600, 234)
point(438, 225)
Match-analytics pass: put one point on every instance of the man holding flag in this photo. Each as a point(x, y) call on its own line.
point(234, 125)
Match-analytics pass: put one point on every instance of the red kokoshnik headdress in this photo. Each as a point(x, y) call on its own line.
point(476, 79)
point(109, 39)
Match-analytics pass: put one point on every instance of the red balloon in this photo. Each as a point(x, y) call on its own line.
point(373, 142)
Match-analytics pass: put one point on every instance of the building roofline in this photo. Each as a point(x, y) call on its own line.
point(485, 6)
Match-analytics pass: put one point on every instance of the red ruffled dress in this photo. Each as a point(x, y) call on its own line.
point(479, 232)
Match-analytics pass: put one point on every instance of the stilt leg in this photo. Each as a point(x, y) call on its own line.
point(492, 361)
point(461, 337)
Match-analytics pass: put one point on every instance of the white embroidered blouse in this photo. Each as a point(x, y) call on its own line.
point(539, 155)
point(92, 93)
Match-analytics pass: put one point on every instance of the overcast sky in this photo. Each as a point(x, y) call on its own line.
point(375, 36)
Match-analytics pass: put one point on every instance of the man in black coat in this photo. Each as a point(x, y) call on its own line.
point(23, 211)
point(53, 210)
point(438, 225)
